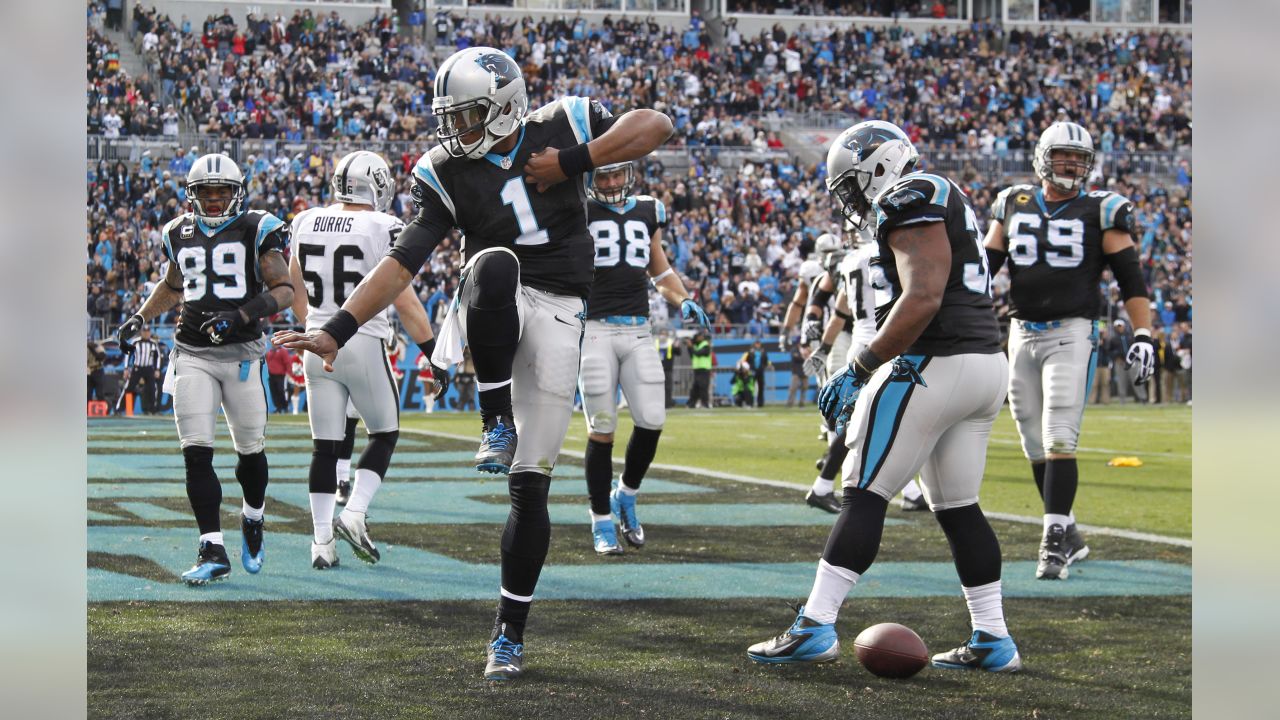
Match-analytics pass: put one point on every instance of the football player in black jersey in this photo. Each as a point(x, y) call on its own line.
point(514, 183)
point(618, 350)
point(1057, 239)
point(920, 397)
point(227, 268)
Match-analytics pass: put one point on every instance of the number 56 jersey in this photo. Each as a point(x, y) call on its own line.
point(1055, 250)
point(335, 249)
point(623, 236)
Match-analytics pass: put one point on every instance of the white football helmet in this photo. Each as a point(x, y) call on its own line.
point(863, 161)
point(480, 99)
point(1070, 137)
point(615, 195)
point(363, 178)
point(210, 171)
point(829, 250)
point(809, 271)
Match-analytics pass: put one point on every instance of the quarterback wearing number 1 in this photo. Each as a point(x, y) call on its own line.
point(513, 182)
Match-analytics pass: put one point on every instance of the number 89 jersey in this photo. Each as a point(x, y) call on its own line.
point(623, 235)
point(966, 321)
point(219, 268)
point(1055, 250)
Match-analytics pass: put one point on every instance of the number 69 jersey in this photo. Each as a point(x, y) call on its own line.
point(335, 249)
point(966, 321)
point(623, 236)
point(219, 268)
point(1055, 250)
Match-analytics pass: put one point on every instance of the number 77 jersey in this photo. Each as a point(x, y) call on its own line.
point(1055, 250)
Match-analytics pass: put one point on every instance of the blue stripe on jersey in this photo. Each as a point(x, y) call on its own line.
point(426, 172)
point(578, 109)
point(941, 187)
point(1093, 366)
point(496, 158)
point(662, 211)
point(168, 244)
point(626, 207)
point(1110, 207)
point(885, 417)
point(268, 224)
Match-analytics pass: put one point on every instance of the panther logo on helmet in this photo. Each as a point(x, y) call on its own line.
point(501, 66)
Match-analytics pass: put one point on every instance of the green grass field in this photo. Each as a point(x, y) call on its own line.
point(656, 633)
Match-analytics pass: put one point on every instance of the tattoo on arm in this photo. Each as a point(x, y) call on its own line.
point(164, 297)
point(275, 275)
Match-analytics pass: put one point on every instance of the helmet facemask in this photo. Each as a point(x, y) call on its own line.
point(612, 184)
point(1069, 171)
point(215, 202)
point(464, 129)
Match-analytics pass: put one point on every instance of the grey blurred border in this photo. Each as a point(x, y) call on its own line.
point(42, 351)
point(1237, 413)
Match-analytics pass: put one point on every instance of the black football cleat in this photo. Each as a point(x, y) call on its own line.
point(1053, 555)
point(344, 492)
point(1074, 546)
point(211, 565)
point(828, 502)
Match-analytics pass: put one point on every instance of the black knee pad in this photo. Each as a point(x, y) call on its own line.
point(528, 531)
point(493, 279)
point(974, 545)
point(323, 477)
point(377, 454)
point(251, 471)
point(854, 541)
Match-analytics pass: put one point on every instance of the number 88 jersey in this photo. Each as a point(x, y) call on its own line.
point(1055, 250)
point(623, 235)
point(219, 268)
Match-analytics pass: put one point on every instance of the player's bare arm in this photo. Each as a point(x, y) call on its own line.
point(635, 134)
point(924, 261)
point(837, 321)
point(665, 279)
point(299, 291)
point(165, 296)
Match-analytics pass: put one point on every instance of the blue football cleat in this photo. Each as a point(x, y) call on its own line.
point(623, 506)
point(506, 659)
point(497, 447)
point(806, 640)
point(251, 551)
point(211, 565)
point(604, 538)
point(982, 651)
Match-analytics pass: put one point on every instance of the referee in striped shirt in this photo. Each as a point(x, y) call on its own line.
point(142, 373)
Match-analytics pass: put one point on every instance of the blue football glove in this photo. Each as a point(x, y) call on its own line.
point(691, 311)
point(220, 326)
point(836, 399)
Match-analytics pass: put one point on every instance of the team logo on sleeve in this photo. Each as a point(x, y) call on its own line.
point(501, 66)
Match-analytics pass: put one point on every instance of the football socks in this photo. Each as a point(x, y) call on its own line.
point(830, 587)
point(986, 608)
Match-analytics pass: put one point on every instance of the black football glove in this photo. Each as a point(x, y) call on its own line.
point(220, 326)
point(1142, 353)
point(441, 377)
point(129, 330)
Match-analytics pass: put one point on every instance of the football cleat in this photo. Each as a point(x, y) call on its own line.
point(350, 526)
point(604, 538)
point(506, 659)
point(344, 492)
point(623, 506)
point(251, 551)
point(211, 565)
point(909, 505)
point(324, 555)
point(982, 651)
point(805, 641)
point(1053, 555)
point(828, 502)
point(1074, 546)
point(497, 446)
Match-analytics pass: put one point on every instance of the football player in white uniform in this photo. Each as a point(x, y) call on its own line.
point(227, 268)
point(618, 349)
point(334, 248)
point(514, 183)
point(1057, 239)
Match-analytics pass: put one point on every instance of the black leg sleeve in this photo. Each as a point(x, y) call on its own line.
point(641, 448)
point(974, 546)
point(203, 489)
point(855, 539)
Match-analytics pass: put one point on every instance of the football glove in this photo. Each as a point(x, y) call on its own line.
point(783, 345)
point(815, 362)
point(441, 377)
point(691, 311)
point(837, 397)
point(1142, 353)
point(128, 330)
point(220, 326)
point(811, 330)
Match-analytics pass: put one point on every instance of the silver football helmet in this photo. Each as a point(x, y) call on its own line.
point(363, 178)
point(865, 160)
point(830, 251)
point(205, 182)
point(1072, 138)
point(480, 99)
point(612, 191)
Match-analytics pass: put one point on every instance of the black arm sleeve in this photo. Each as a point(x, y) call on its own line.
point(820, 296)
point(996, 258)
point(421, 236)
point(1128, 273)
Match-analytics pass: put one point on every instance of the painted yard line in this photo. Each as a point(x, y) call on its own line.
point(1115, 532)
point(1105, 451)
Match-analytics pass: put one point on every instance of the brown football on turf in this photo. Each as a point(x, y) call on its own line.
point(891, 650)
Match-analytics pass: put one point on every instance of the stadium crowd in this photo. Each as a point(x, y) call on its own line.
point(738, 237)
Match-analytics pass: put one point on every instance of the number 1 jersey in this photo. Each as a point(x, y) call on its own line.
point(336, 249)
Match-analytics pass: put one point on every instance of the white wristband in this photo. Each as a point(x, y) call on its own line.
point(661, 275)
point(1142, 331)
